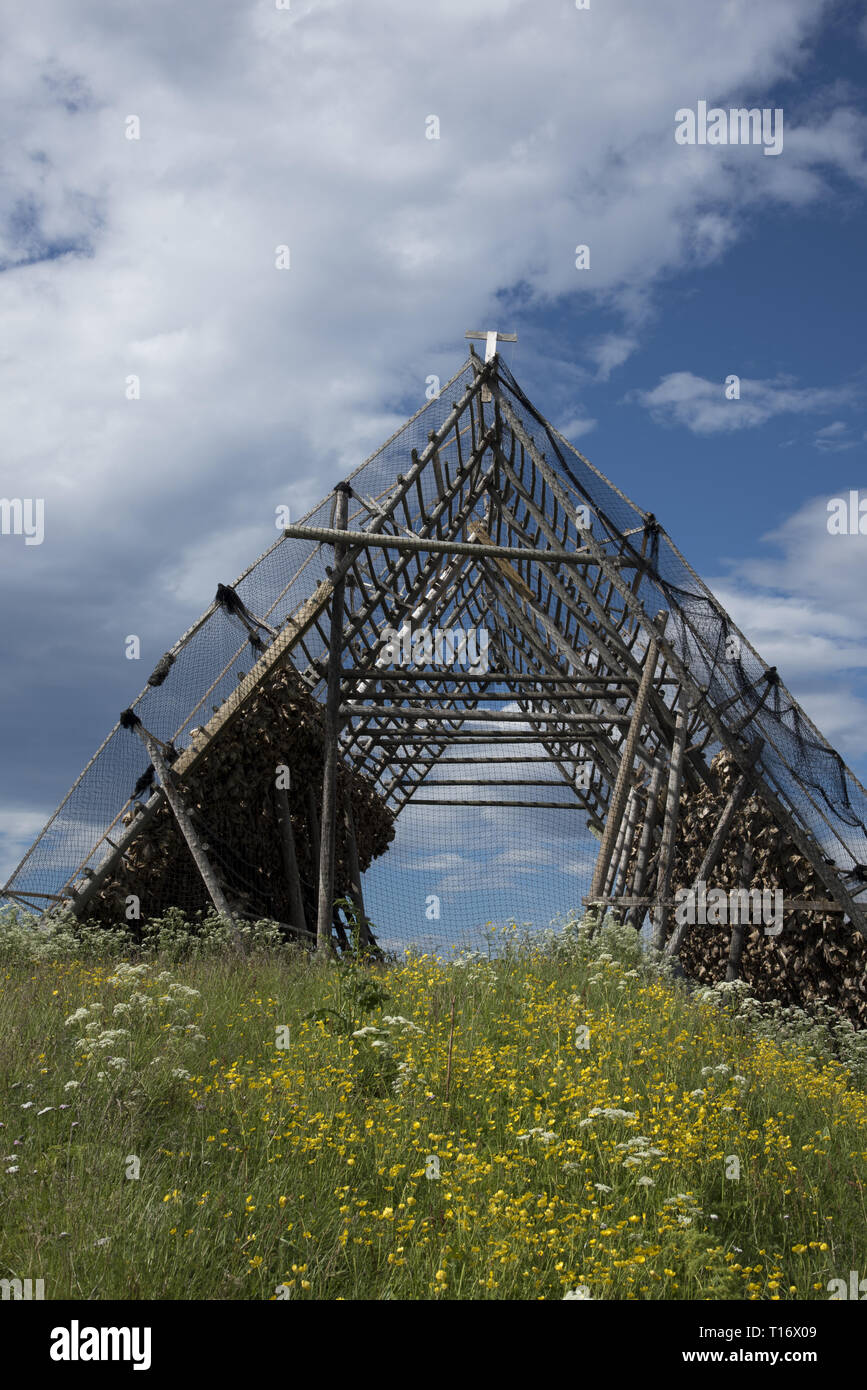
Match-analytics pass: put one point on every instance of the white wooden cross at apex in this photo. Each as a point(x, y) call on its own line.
point(491, 337)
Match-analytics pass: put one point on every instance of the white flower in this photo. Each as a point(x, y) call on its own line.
point(180, 1074)
point(740, 1080)
point(28, 1105)
point(72, 1085)
point(697, 1095)
point(581, 1292)
point(45, 1111)
point(75, 1018)
point(600, 1187)
point(366, 1032)
point(646, 1182)
point(13, 1169)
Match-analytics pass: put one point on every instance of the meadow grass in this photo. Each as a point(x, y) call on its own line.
point(557, 1121)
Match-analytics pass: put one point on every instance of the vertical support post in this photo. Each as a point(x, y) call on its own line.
point(624, 771)
point(290, 860)
point(328, 826)
point(669, 825)
point(635, 916)
point(185, 825)
point(355, 871)
point(313, 824)
point(621, 876)
point(614, 863)
point(736, 945)
point(714, 850)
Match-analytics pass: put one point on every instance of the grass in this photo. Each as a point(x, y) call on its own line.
point(557, 1122)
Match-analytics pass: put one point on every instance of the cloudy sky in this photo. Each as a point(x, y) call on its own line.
point(308, 127)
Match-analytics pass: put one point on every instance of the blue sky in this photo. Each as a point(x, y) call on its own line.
point(261, 127)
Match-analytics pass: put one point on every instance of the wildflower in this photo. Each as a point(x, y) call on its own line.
point(582, 1292)
point(72, 1085)
point(646, 1182)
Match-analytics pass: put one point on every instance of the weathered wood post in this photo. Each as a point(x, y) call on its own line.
point(669, 825)
point(328, 825)
point(620, 878)
point(635, 916)
point(624, 771)
point(736, 945)
point(355, 872)
point(130, 720)
point(714, 850)
point(614, 862)
point(290, 860)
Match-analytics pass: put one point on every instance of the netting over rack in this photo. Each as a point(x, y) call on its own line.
point(437, 721)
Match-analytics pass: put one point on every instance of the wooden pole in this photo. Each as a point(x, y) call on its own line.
point(355, 872)
point(619, 881)
point(328, 826)
point(669, 825)
point(179, 811)
point(624, 772)
point(290, 860)
point(736, 946)
point(368, 540)
point(614, 862)
point(635, 915)
point(313, 823)
point(714, 850)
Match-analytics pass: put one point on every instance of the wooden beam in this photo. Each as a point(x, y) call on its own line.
point(714, 850)
point(624, 772)
point(669, 825)
point(188, 831)
point(619, 877)
point(328, 825)
point(366, 540)
point(736, 945)
point(635, 916)
point(290, 859)
point(355, 874)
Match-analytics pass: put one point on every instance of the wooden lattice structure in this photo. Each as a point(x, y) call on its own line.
point(618, 666)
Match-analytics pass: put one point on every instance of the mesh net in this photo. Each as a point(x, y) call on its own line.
point(538, 739)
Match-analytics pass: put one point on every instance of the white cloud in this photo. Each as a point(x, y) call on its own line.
point(611, 352)
point(801, 605)
point(682, 398)
point(262, 127)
